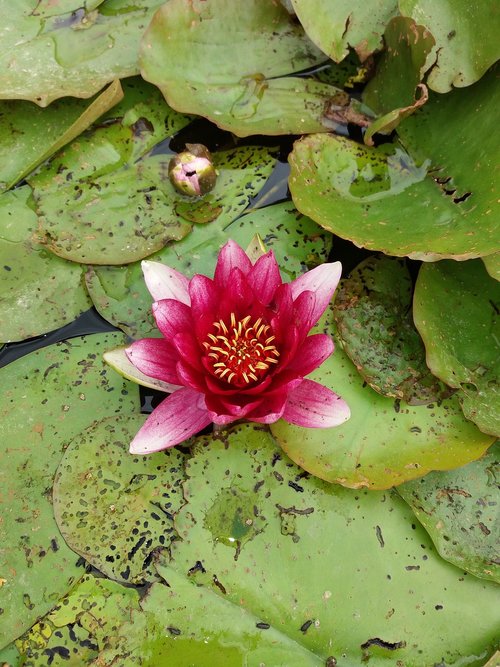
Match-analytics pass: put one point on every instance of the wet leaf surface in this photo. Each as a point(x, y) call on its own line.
point(46, 55)
point(120, 293)
point(459, 510)
point(456, 310)
point(430, 198)
point(40, 292)
point(385, 442)
point(84, 621)
point(375, 325)
point(115, 509)
point(47, 398)
point(336, 25)
point(233, 74)
point(492, 265)
point(343, 573)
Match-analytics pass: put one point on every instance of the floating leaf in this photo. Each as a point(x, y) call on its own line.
point(343, 573)
point(10, 656)
point(115, 509)
point(83, 622)
point(47, 398)
point(120, 294)
point(339, 24)
point(466, 37)
point(28, 135)
point(374, 322)
point(492, 265)
point(74, 53)
point(40, 292)
point(456, 310)
point(459, 510)
point(384, 443)
point(237, 82)
point(432, 201)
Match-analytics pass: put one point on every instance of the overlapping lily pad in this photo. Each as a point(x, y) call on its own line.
point(466, 37)
point(385, 442)
point(84, 622)
point(113, 508)
point(433, 200)
point(456, 310)
point(30, 135)
point(120, 293)
point(375, 324)
point(40, 291)
point(339, 24)
point(233, 72)
point(70, 51)
point(459, 510)
point(47, 398)
point(492, 264)
point(360, 582)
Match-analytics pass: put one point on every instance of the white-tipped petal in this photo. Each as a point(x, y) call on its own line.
point(163, 282)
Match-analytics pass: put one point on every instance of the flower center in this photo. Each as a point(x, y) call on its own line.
point(241, 353)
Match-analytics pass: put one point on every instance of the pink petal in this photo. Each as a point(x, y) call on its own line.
point(154, 357)
point(172, 317)
point(311, 354)
point(264, 277)
point(230, 257)
point(178, 417)
point(315, 406)
point(188, 348)
point(190, 377)
point(322, 281)
point(164, 282)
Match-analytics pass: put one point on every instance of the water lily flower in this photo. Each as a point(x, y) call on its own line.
point(234, 347)
point(192, 172)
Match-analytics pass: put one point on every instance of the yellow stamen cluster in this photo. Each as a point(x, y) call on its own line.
point(241, 353)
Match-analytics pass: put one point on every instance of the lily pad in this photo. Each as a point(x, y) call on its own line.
point(75, 53)
point(115, 509)
point(384, 443)
point(120, 294)
point(466, 37)
point(459, 510)
point(431, 201)
point(10, 656)
point(374, 322)
point(492, 265)
point(47, 398)
point(336, 25)
point(456, 310)
point(28, 135)
point(346, 574)
point(82, 623)
point(233, 73)
point(40, 292)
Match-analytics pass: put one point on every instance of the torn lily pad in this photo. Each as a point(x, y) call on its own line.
point(114, 509)
point(459, 510)
point(375, 325)
point(121, 296)
point(47, 398)
point(456, 310)
point(40, 292)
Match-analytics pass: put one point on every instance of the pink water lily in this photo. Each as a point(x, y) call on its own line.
point(235, 347)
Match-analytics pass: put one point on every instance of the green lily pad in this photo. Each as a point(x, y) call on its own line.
point(28, 135)
point(74, 53)
point(115, 509)
point(431, 201)
point(10, 656)
point(82, 623)
point(456, 308)
point(492, 265)
point(336, 25)
point(374, 322)
point(233, 73)
point(459, 510)
point(384, 443)
point(466, 37)
point(47, 398)
point(40, 292)
point(185, 624)
point(346, 574)
point(120, 294)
